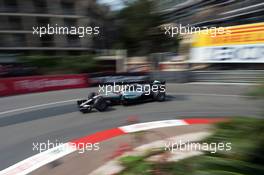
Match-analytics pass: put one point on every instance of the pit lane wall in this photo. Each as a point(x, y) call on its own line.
point(241, 44)
point(23, 85)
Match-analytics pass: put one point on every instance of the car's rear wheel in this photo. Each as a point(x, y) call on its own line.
point(159, 96)
point(125, 102)
point(100, 104)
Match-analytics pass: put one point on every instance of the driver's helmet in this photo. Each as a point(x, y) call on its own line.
point(91, 95)
point(156, 82)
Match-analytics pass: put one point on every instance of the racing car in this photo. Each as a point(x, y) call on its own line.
point(154, 91)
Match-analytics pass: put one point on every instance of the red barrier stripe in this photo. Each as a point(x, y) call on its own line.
point(36, 161)
point(23, 85)
point(99, 136)
point(203, 120)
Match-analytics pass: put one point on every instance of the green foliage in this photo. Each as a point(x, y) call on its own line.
point(246, 136)
point(135, 165)
point(131, 161)
point(258, 92)
point(78, 64)
point(40, 61)
point(61, 64)
point(245, 157)
point(139, 29)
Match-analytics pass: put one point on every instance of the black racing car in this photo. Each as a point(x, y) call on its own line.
point(134, 93)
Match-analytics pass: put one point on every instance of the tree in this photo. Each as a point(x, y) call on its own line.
point(139, 29)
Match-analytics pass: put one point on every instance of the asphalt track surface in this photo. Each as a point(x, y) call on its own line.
point(53, 116)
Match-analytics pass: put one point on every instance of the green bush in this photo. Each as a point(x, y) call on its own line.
point(245, 157)
point(78, 64)
point(258, 92)
point(41, 61)
point(61, 64)
point(135, 165)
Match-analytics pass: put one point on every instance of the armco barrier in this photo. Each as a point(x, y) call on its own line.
point(171, 76)
point(22, 85)
point(229, 76)
point(218, 76)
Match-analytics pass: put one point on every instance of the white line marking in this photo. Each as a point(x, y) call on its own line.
point(38, 160)
point(36, 106)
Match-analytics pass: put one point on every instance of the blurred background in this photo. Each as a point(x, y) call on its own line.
point(131, 38)
point(132, 47)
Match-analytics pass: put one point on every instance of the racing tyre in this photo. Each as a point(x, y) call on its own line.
point(86, 110)
point(100, 104)
point(125, 102)
point(159, 96)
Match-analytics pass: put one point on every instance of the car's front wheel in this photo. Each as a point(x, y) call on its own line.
point(86, 110)
point(100, 104)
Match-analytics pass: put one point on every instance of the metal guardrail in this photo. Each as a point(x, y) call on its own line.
point(229, 76)
point(221, 76)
